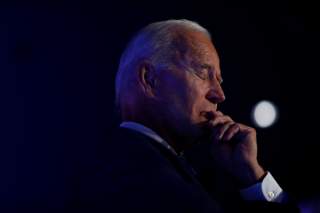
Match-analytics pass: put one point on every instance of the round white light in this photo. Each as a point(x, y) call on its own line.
point(264, 114)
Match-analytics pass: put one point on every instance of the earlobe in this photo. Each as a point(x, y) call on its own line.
point(147, 78)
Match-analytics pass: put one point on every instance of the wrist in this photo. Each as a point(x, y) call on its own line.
point(251, 175)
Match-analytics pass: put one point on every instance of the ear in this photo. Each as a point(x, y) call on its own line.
point(147, 78)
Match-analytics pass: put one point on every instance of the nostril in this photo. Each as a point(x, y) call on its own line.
point(216, 97)
point(223, 97)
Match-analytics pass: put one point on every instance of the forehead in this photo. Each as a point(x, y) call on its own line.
point(196, 48)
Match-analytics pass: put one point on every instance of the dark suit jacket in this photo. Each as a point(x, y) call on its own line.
point(136, 174)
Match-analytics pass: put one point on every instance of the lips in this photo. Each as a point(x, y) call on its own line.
point(209, 115)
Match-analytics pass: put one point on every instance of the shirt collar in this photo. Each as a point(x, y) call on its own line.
point(148, 132)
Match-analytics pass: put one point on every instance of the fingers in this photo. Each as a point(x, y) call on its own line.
point(224, 128)
point(246, 130)
point(231, 132)
point(219, 124)
point(220, 132)
point(228, 131)
point(217, 118)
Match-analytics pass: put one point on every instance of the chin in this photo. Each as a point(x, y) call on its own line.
point(195, 132)
point(202, 131)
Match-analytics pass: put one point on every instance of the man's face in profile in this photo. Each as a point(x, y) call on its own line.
point(191, 90)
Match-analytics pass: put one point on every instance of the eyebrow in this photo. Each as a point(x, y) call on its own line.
point(210, 67)
point(206, 66)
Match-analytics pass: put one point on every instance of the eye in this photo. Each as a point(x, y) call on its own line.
point(202, 73)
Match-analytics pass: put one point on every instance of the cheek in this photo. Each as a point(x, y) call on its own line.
point(197, 102)
point(183, 98)
point(174, 100)
point(181, 103)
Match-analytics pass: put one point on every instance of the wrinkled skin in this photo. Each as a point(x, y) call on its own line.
point(183, 107)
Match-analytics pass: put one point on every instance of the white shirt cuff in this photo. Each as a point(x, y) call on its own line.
point(267, 190)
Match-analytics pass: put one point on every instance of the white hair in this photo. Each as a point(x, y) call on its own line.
point(154, 43)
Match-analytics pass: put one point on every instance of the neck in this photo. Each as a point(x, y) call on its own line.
point(162, 131)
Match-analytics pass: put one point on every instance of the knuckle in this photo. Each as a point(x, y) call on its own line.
point(237, 125)
point(228, 118)
point(219, 112)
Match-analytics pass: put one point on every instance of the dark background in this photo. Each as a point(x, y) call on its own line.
point(58, 61)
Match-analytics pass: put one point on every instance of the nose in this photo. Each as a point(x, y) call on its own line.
point(215, 94)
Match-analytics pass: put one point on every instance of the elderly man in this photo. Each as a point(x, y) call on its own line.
point(168, 88)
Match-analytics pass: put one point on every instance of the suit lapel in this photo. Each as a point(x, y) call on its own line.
point(178, 162)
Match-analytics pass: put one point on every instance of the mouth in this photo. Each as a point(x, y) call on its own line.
point(206, 118)
point(208, 115)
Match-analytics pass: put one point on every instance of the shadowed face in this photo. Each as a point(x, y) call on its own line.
point(191, 89)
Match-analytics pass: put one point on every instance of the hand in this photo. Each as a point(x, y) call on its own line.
point(234, 148)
